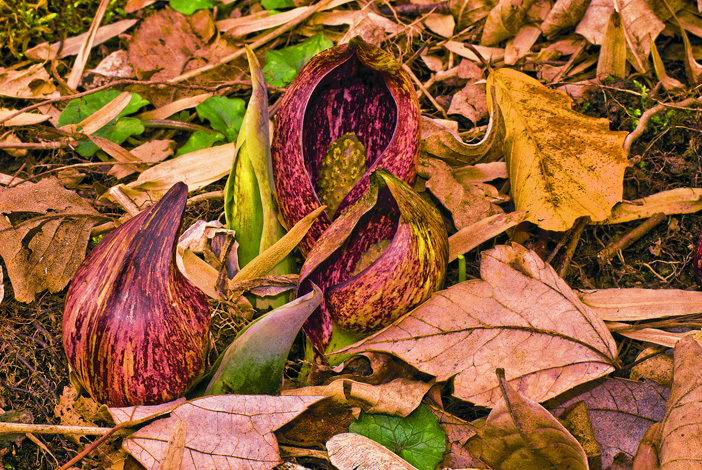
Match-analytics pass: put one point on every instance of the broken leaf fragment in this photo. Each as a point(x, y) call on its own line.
point(562, 165)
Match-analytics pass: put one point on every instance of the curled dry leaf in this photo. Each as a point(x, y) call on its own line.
point(674, 201)
point(562, 165)
point(681, 429)
point(521, 435)
point(636, 304)
point(398, 398)
point(350, 451)
point(469, 12)
point(520, 316)
point(225, 431)
point(457, 433)
point(504, 20)
point(620, 411)
point(44, 251)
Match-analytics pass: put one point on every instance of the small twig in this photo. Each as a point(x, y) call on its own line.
point(425, 91)
point(412, 9)
point(575, 235)
point(629, 238)
point(124, 200)
point(568, 65)
point(649, 113)
point(21, 428)
point(35, 145)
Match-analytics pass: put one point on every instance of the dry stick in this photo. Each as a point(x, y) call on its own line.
point(79, 65)
point(630, 238)
point(21, 428)
point(255, 45)
point(572, 245)
point(34, 145)
point(649, 113)
point(570, 63)
point(425, 91)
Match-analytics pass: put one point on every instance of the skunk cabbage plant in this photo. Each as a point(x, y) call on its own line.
point(135, 330)
point(350, 110)
point(383, 256)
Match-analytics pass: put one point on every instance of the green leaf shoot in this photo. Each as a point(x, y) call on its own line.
point(283, 65)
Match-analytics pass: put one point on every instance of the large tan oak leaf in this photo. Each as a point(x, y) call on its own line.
point(213, 433)
point(520, 317)
point(562, 165)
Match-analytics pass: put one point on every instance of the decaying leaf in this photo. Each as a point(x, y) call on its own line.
point(470, 237)
point(612, 59)
point(43, 251)
point(562, 165)
point(469, 12)
point(470, 102)
point(681, 429)
point(620, 411)
point(167, 43)
point(521, 316)
point(640, 24)
point(225, 431)
point(457, 432)
point(521, 435)
point(24, 119)
point(592, 26)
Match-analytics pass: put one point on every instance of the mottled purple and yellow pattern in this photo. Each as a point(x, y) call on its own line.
point(405, 275)
point(135, 330)
point(355, 87)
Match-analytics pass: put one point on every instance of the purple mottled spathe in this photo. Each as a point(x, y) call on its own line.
point(406, 274)
point(135, 330)
point(355, 87)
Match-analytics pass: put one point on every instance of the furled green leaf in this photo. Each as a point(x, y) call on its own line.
point(200, 140)
point(224, 114)
point(249, 205)
point(283, 65)
point(253, 364)
point(188, 7)
point(117, 130)
point(418, 438)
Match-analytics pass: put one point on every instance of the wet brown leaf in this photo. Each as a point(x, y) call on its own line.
point(43, 235)
point(521, 316)
point(681, 429)
point(521, 435)
point(221, 432)
point(621, 411)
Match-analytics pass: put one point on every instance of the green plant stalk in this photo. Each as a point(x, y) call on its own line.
point(255, 219)
point(461, 268)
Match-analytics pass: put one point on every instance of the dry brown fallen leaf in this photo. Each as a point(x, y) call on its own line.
point(564, 14)
point(521, 316)
point(504, 20)
point(220, 432)
point(520, 434)
point(350, 451)
point(562, 164)
point(681, 429)
point(620, 411)
point(30, 83)
point(44, 233)
point(673, 201)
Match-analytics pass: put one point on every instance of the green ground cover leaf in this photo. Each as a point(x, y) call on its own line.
point(418, 438)
point(224, 114)
point(188, 7)
point(117, 130)
point(277, 4)
point(283, 65)
point(200, 140)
